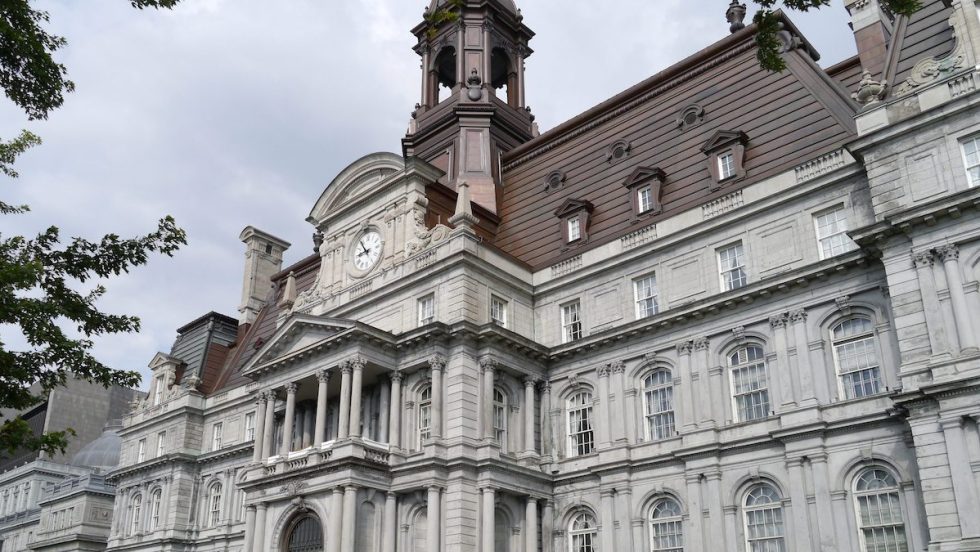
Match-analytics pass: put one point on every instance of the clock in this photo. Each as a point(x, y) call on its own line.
point(367, 250)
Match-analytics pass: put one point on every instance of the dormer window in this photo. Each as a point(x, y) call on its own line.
point(618, 151)
point(726, 156)
point(574, 215)
point(554, 181)
point(645, 186)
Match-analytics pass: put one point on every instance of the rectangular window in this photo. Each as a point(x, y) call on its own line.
point(726, 165)
point(250, 426)
point(571, 322)
point(971, 158)
point(644, 199)
point(580, 437)
point(141, 451)
point(645, 295)
point(427, 309)
point(832, 235)
point(574, 228)
point(498, 311)
point(161, 443)
point(750, 388)
point(158, 391)
point(731, 265)
point(216, 436)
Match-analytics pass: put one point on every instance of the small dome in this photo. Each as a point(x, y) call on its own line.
point(509, 5)
point(101, 454)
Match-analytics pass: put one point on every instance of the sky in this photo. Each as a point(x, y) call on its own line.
point(229, 113)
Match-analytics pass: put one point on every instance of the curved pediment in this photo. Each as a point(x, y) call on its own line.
point(359, 179)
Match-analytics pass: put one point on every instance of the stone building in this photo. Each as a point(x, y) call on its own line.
point(725, 309)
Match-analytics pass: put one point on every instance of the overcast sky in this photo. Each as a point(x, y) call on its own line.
point(228, 113)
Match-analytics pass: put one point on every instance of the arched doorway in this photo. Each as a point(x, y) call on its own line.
point(305, 535)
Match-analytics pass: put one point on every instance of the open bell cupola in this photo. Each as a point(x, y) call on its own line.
point(472, 107)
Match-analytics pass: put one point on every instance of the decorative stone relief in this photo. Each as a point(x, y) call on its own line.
point(425, 238)
point(932, 69)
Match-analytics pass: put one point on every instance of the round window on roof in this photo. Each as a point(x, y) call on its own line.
point(690, 116)
point(618, 151)
point(554, 181)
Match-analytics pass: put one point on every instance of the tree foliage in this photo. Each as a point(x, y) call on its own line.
point(40, 277)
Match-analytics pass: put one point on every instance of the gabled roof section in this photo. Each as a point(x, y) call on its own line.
point(202, 345)
point(724, 138)
point(359, 179)
point(300, 333)
point(573, 206)
point(644, 174)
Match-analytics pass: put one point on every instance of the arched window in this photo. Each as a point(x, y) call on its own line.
point(305, 536)
point(580, 438)
point(582, 533)
point(155, 504)
point(856, 358)
point(763, 520)
point(879, 511)
point(425, 414)
point(666, 533)
point(214, 505)
point(135, 512)
point(500, 418)
point(658, 404)
point(750, 383)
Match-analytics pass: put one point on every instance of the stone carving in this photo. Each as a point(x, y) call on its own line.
point(293, 488)
point(739, 333)
point(735, 16)
point(844, 304)
point(778, 321)
point(603, 371)
point(948, 253)
point(424, 237)
point(870, 91)
point(488, 364)
point(617, 366)
point(701, 344)
point(930, 70)
point(323, 376)
point(798, 316)
point(685, 347)
point(922, 259)
point(474, 86)
point(437, 362)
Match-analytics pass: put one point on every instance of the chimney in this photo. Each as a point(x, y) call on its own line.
point(263, 258)
point(872, 28)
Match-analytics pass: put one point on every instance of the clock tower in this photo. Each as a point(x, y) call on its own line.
point(472, 106)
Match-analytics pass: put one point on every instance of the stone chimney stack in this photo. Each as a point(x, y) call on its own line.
point(872, 28)
point(263, 258)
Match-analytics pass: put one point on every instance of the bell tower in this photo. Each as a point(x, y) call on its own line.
point(472, 106)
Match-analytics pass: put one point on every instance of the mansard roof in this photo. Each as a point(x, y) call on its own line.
point(792, 117)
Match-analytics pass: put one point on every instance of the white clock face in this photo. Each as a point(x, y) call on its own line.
point(367, 250)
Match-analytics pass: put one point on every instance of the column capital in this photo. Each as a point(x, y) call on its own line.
point(606, 493)
point(291, 388)
point(391, 494)
point(603, 371)
point(546, 386)
point(530, 381)
point(250, 507)
point(948, 253)
point(617, 367)
point(795, 462)
point(262, 397)
point(338, 490)
point(798, 316)
point(346, 368)
point(350, 488)
point(323, 376)
point(778, 321)
point(488, 364)
point(685, 347)
point(261, 506)
point(701, 344)
point(818, 457)
point(396, 377)
point(922, 259)
point(951, 422)
point(437, 363)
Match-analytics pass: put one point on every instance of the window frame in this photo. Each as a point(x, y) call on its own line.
point(870, 335)
point(424, 404)
point(747, 510)
point(217, 431)
point(156, 502)
point(573, 225)
point(141, 451)
point(749, 363)
point(590, 533)
point(501, 407)
point(643, 312)
point(975, 138)
point(849, 244)
point(214, 505)
point(576, 439)
point(741, 266)
point(249, 426)
point(667, 388)
point(135, 512)
point(426, 304)
point(726, 170)
point(856, 496)
point(677, 520)
point(641, 205)
point(161, 443)
point(503, 308)
point(573, 330)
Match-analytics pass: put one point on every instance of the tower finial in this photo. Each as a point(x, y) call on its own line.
point(735, 15)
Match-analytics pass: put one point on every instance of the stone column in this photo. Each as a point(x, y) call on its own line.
point(797, 492)
point(258, 443)
point(269, 431)
point(547, 447)
point(433, 518)
point(287, 426)
point(343, 427)
point(687, 396)
point(702, 411)
point(548, 526)
point(357, 364)
point(607, 520)
point(938, 341)
point(437, 364)
point(309, 424)
point(489, 506)
point(249, 528)
point(695, 514)
point(384, 408)
point(843, 510)
point(488, 365)
point(603, 411)
point(391, 523)
point(336, 520)
point(617, 412)
point(529, 383)
point(950, 254)
point(731, 533)
point(964, 485)
point(716, 523)
point(716, 380)
point(323, 379)
point(350, 522)
point(395, 404)
point(804, 370)
point(784, 379)
point(260, 521)
point(531, 525)
point(825, 511)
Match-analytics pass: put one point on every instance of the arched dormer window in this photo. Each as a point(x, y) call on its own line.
point(749, 382)
point(666, 530)
point(214, 505)
point(856, 358)
point(658, 404)
point(135, 513)
point(583, 533)
point(425, 414)
point(763, 513)
point(500, 418)
point(155, 507)
point(878, 508)
point(581, 440)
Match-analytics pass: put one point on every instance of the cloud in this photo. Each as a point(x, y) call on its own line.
point(227, 114)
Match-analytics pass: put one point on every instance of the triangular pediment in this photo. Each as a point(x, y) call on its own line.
point(643, 174)
point(300, 333)
point(162, 359)
point(724, 138)
point(570, 206)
